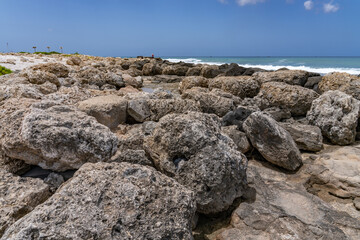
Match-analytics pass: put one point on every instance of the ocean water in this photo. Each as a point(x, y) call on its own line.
point(322, 65)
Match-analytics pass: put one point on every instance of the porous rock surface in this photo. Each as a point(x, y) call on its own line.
point(111, 201)
point(110, 110)
point(19, 196)
point(296, 99)
point(191, 149)
point(344, 82)
point(56, 137)
point(336, 114)
point(242, 86)
point(292, 77)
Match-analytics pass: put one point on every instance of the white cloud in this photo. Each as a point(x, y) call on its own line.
point(309, 5)
point(330, 7)
point(246, 2)
point(223, 1)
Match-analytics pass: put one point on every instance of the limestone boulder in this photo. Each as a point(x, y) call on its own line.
point(347, 83)
point(242, 86)
point(296, 99)
point(209, 101)
point(210, 71)
point(273, 142)
point(292, 77)
point(56, 137)
point(193, 81)
point(336, 114)
point(177, 69)
point(76, 61)
point(112, 201)
point(191, 149)
point(60, 70)
point(194, 71)
point(110, 110)
point(151, 69)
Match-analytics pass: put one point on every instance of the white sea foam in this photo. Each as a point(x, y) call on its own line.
point(355, 71)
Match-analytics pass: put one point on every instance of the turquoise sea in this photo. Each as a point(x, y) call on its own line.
point(322, 65)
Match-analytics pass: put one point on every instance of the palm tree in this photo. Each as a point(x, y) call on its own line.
point(61, 49)
point(48, 49)
point(34, 49)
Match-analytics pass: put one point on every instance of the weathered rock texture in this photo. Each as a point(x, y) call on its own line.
point(242, 86)
point(336, 114)
point(19, 196)
point(210, 102)
point(109, 110)
point(293, 77)
point(306, 137)
point(273, 142)
point(294, 98)
point(347, 83)
point(191, 149)
point(239, 138)
point(56, 137)
point(276, 208)
point(111, 201)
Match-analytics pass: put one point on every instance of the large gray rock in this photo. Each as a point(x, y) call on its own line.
point(336, 114)
point(154, 109)
point(110, 110)
point(294, 98)
point(19, 196)
point(111, 201)
point(242, 86)
point(210, 71)
point(306, 137)
point(344, 82)
point(277, 207)
point(56, 137)
point(193, 81)
point(292, 77)
point(151, 69)
point(273, 142)
point(176, 69)
point(209, 102)
point(191, 149)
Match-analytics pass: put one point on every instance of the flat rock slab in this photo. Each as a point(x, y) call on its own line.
point(279, 209)
point(111, 201)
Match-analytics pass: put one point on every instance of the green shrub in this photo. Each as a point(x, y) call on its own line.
point(47, 53)
point(4, 70)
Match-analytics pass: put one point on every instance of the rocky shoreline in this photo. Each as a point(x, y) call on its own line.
point(143, 148)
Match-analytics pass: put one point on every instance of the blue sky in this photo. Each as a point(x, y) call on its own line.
point(183, 27)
